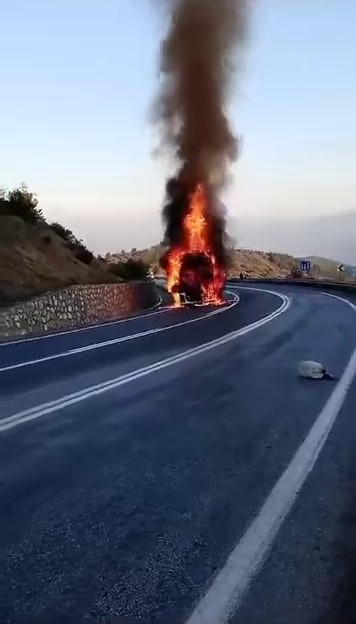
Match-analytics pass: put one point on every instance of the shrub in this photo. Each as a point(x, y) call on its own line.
point(75, 245)
point(20, 202)
point(83, 254)
point(61, 231)
point(119, 269)
point(130, 270)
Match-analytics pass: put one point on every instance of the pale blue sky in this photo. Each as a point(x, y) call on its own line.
point(78, 77)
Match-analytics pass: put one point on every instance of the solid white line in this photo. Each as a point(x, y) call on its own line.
point(115, 341)
point(87, 328)
point(349, 303)
point(232, 582)
point(54, 406)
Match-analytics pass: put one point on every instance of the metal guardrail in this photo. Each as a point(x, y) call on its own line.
point(322, 284)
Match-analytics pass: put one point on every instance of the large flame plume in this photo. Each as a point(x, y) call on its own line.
point(196, 243)
point(198, 59)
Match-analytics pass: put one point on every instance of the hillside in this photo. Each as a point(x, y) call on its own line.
point(36, 256)
point(261, 264)
point(328, 236)
point(34, 259)
point(251, 263)
point(326, 267)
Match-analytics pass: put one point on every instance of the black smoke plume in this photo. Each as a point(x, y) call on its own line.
point(198, 59)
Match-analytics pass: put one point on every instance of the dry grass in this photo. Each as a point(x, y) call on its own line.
point(33, 259)
point(260, 264)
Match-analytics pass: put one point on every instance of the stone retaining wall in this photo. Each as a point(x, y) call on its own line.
point(76, 306)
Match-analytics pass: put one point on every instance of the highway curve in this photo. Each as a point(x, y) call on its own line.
point(172, 468)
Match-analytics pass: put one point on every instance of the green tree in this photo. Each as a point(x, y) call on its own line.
point(23, 203)
point(130, 270)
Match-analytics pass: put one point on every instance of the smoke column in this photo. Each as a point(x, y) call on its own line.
point(199, 57)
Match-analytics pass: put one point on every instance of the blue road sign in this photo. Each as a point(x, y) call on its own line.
point(305, 265)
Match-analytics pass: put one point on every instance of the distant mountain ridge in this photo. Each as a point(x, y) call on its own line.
point(328, 237)
point(331, 236)
point(250, 262)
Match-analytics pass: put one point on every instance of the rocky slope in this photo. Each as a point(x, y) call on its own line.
point(34, 259)
point(251, 263)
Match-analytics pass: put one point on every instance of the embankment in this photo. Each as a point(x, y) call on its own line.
point(76, 306)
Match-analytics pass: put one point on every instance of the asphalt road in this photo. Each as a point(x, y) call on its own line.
point(135, 463)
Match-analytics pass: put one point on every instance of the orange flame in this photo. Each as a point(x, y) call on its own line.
point(196, 240)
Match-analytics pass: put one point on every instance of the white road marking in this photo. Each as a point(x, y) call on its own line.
point(88, 328)
point(54, 406)
point(349, 303)
point(255, 289)
point(115, 341)
point(234, 579)
point(326, 294)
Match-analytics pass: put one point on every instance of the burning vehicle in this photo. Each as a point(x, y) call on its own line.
point(195, 262)
point(197, 63)
point(195, 281)
point(195, 276)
